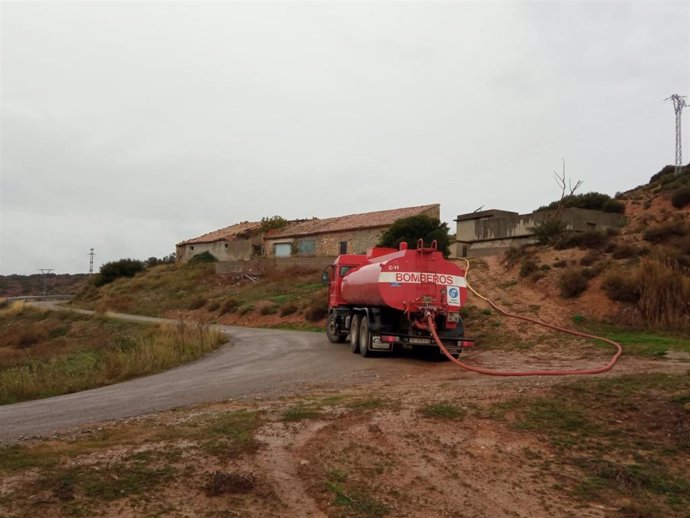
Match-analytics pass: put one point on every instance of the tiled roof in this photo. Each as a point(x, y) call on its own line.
point(242, 230)
point(381, 218)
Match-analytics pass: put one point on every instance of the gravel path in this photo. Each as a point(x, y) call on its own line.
point(256, 362)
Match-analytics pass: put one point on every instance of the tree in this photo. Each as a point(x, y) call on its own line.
point(417, 227)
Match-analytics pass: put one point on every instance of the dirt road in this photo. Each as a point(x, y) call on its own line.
point(256, 363)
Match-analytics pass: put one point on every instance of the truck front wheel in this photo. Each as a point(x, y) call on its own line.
point(354, 334)
point(332, 330)
point(364, 338)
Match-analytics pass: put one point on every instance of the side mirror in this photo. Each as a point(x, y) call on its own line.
point(325, 279)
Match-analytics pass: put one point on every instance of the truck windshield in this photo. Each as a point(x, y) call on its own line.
point(344, 270)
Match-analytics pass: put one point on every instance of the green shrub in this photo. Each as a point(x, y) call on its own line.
point(512, 256)
point(115, 269)
point(271, 309)
point(625, 250)
point(197, 303)
point(528, 266)
point(590, 200)
point(622, 287)
point(590, 258)
point(681, 197)
point(289, 309)
point(584, 240)
point(203, 257)
point(213, 306)
point(245, 308)
point(573, 283)
point(229, 306)
point(664, 231)
point(548, 230)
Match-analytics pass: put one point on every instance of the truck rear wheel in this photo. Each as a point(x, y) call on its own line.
point(364, 338)
point(354, 334)
point(332, 331)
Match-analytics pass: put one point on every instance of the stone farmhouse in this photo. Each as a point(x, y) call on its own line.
point(354, 233)
point(490, 232)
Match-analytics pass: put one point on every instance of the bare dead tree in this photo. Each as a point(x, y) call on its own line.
point(565, 186)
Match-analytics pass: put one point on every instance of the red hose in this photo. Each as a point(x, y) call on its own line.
point(492, 372)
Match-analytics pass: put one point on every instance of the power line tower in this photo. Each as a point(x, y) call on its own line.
point(91, 256)
point(44, 272)
point(678, 105)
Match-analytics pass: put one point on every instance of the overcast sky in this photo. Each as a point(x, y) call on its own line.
point(130, 126)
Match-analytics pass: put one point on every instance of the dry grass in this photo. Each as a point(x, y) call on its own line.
point(51, 353)
point(664, 294)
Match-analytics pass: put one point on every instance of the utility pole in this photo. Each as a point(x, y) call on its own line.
point(678, 105)
point(91, 256)
point(44, 272)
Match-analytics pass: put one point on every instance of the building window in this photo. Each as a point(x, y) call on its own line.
point(282, 249)
point(191, 247)
point(226, 245)
point(343, 247)
point(307, 247)
point(591, 226)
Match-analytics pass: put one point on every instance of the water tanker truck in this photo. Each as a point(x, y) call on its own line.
point(383, 299)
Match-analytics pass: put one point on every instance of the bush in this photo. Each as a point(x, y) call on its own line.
point(213, 306)
point(560, 264)
point(584, 240)
point(623, 251)
point(681, 197)
point(662, 232)
point(572, 283)
point(115, 269)
point(197, 303)
point(203, 257)
point(290, 309)
point(548, 230)
point(271, 309)
point(529, 266)
point(245, 309)
point(229, 306)
point(590, 258)
point(622, 287)
point(512, 256)
point(590, 200)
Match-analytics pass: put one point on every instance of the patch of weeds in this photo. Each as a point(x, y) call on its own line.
point(222, 482)
point(269, 310)
point(578, 319)
point(443, 410)
point(631, 478)
point(17, 458)
point(289, 309)
point(300, 412)
point(368, 404)
point(356, 500)
point(245, 309)
point(230, 434)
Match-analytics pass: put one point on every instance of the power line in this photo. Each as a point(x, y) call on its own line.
point(678, 105)
point(44, 273)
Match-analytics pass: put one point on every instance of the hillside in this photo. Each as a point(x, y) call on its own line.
point(639, 277)
point(30, 285)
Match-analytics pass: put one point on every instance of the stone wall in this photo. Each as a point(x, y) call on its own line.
point(240, 250)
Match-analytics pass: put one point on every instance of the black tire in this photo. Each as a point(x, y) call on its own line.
point(331, 332)
point(364, 338)
point(354, 334)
